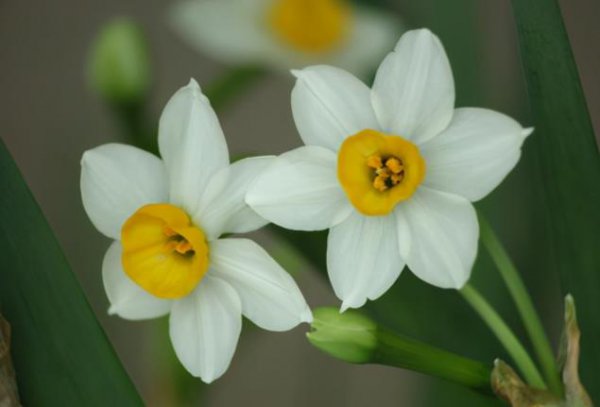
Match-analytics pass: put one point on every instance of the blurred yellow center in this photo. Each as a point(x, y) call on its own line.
point(311, 26)
point(163, 252)
point(377, 171)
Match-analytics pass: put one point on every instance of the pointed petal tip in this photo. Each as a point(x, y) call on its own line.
point(527, 132)
point(207, 380)
point(89, 155)
point(193, 84)
point(297, 73)
point(416, 33)
point(307, 316)
point(344, 307)
point(351, 302)
point(424, 31)
point(112, 310)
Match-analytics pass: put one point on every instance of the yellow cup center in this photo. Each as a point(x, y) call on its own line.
point(311, 26)
point(377, 171)
point(163, 252)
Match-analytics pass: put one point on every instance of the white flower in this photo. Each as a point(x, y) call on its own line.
point(391, 170)
point(166, 217)
point(284, 34)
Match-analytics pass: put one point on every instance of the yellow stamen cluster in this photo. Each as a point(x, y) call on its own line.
point(178, 242)
point(377, 170)
point(388, 172)
point(311, 26)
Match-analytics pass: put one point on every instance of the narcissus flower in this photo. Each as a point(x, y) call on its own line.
point(285, 34)
point(166, 217)
point(391, 170)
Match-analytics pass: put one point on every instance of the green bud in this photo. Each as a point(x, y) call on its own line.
point(349, 336)
point(119, 65)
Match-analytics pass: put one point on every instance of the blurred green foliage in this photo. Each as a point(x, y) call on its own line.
point(119, 67)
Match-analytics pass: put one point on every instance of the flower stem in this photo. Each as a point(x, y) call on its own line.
point(355, 338)
point(524, 305)
point(504, 335)
point(403, 352)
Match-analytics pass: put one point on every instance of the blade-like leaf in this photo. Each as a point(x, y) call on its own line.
point(61, 355)
point(569, 168)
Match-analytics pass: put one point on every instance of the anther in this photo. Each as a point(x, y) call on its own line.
point(374, 162)
point(183, 247)
point(394, 164)
point(169, 232)
point(379, 184)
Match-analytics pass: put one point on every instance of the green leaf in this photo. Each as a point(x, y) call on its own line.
point(61, 354)
point(568, 168)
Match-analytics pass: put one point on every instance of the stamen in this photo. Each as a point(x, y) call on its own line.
point(183, 247)
point(169, 232)
point(374, 161)
point(394, 164)
point(389, 171)
point(379, 170)
point(380, 184)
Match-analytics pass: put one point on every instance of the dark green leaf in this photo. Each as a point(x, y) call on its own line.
point(61, 355)
point(568, 168)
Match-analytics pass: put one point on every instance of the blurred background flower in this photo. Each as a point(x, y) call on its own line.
point(50, 116)
point(285, 34)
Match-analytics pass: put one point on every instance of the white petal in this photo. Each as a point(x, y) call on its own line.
point(300, 191)
point(413, 92)
point(127, 299)
point(474, 154)
point(373, 35)
point(192, 145)
point(330, 104)
point(270, 297)
point(223, 208)
point(229, 30)
point(205, 327)
point(116, 180)
point(443, 237)
point(363, 259)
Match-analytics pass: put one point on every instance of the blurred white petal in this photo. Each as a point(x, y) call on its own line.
point(228, 30)
point(373, 35)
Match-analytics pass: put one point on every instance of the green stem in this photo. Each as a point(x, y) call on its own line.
point(504, 335)
point(524, 305)
point(400, 351)
point(355, 338)
point(134, 125)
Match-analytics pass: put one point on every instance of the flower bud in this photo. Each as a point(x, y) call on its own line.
point(349, 336)
point(119, 66)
